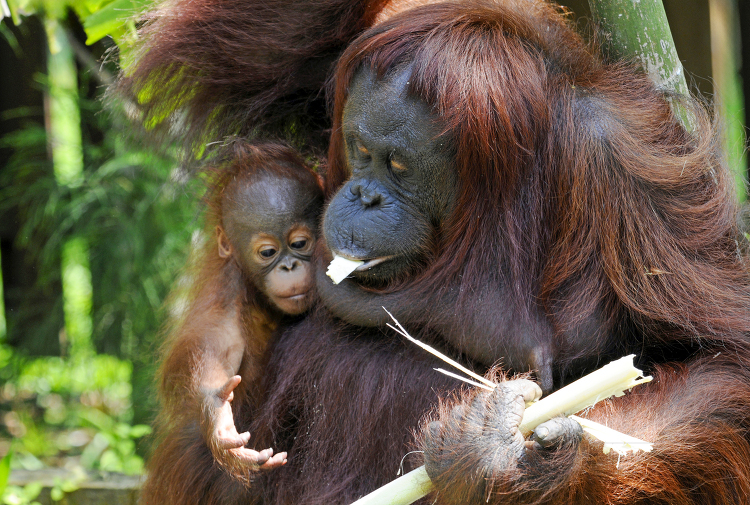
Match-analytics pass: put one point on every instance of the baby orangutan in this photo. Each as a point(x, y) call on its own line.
point(254, 273)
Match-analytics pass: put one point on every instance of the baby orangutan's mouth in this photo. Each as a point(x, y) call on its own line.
point(297, 297)
point(293, 304)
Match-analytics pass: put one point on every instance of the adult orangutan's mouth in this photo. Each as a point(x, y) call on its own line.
point(343, 264)
point(368, 264)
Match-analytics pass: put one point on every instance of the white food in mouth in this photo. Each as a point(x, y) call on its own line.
point(340, 267)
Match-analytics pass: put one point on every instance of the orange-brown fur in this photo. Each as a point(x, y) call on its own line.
point(579, 191)
point(596, 202)
point(220, 299)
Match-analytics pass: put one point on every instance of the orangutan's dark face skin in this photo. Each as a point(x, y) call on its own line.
point(269, 226)
point(402, 184)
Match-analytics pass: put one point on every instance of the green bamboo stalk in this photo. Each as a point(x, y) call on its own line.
point(638, 30)
point(64, 117)
point(77, 297)
point(65, 145)
point(725, 62)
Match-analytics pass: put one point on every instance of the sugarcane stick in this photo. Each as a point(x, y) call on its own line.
point(611, 380)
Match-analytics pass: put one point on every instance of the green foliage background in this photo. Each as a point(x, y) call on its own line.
point(132, 217)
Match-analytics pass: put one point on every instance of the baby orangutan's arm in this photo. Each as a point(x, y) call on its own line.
point(223, 348)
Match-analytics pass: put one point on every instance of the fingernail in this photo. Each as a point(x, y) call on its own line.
point(542, 432)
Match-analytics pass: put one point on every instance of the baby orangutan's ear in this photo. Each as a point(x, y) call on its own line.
point(225, 248)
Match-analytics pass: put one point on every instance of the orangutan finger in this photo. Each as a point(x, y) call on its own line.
point(226, 392)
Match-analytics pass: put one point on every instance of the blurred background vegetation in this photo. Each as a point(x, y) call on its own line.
point(95, 227)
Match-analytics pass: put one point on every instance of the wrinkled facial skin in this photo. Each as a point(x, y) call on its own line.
point(270, 226)
point(402, 184)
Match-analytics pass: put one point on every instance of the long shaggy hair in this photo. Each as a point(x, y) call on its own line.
point(214, 68)
point(578, 190)
point(578, 186)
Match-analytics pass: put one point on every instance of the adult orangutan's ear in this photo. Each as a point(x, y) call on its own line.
point(225, 248)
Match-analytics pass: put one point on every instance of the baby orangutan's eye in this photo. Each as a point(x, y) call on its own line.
point(301, 240)
point(267, 252)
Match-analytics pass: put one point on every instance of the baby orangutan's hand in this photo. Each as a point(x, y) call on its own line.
point(226, 444)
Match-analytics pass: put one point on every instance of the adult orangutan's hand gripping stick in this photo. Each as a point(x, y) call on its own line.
point(611, 380)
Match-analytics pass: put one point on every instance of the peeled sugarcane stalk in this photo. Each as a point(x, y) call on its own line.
point(611, 380)
point(340, 267)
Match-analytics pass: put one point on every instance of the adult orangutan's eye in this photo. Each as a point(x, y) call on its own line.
point(361, 148)
point(397, 166)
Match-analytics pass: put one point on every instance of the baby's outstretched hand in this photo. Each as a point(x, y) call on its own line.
point(226, 443)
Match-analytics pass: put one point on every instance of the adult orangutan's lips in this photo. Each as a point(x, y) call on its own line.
point(343, 264)
point(368, 264)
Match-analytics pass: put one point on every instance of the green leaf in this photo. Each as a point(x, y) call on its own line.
point(17, 495)
point(5, 471)
point(140, 430)
point(32, 490)
point(111, 19)
point(56, 494)
point(13, 8)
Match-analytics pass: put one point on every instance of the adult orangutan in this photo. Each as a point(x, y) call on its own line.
point(515, 199)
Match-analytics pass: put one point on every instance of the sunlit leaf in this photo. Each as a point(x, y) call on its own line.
point(5, 471)
point(111, 19)
point(56, 494)
point(140, 430)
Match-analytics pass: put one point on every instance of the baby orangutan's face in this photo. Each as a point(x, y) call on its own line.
point(269, 227)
